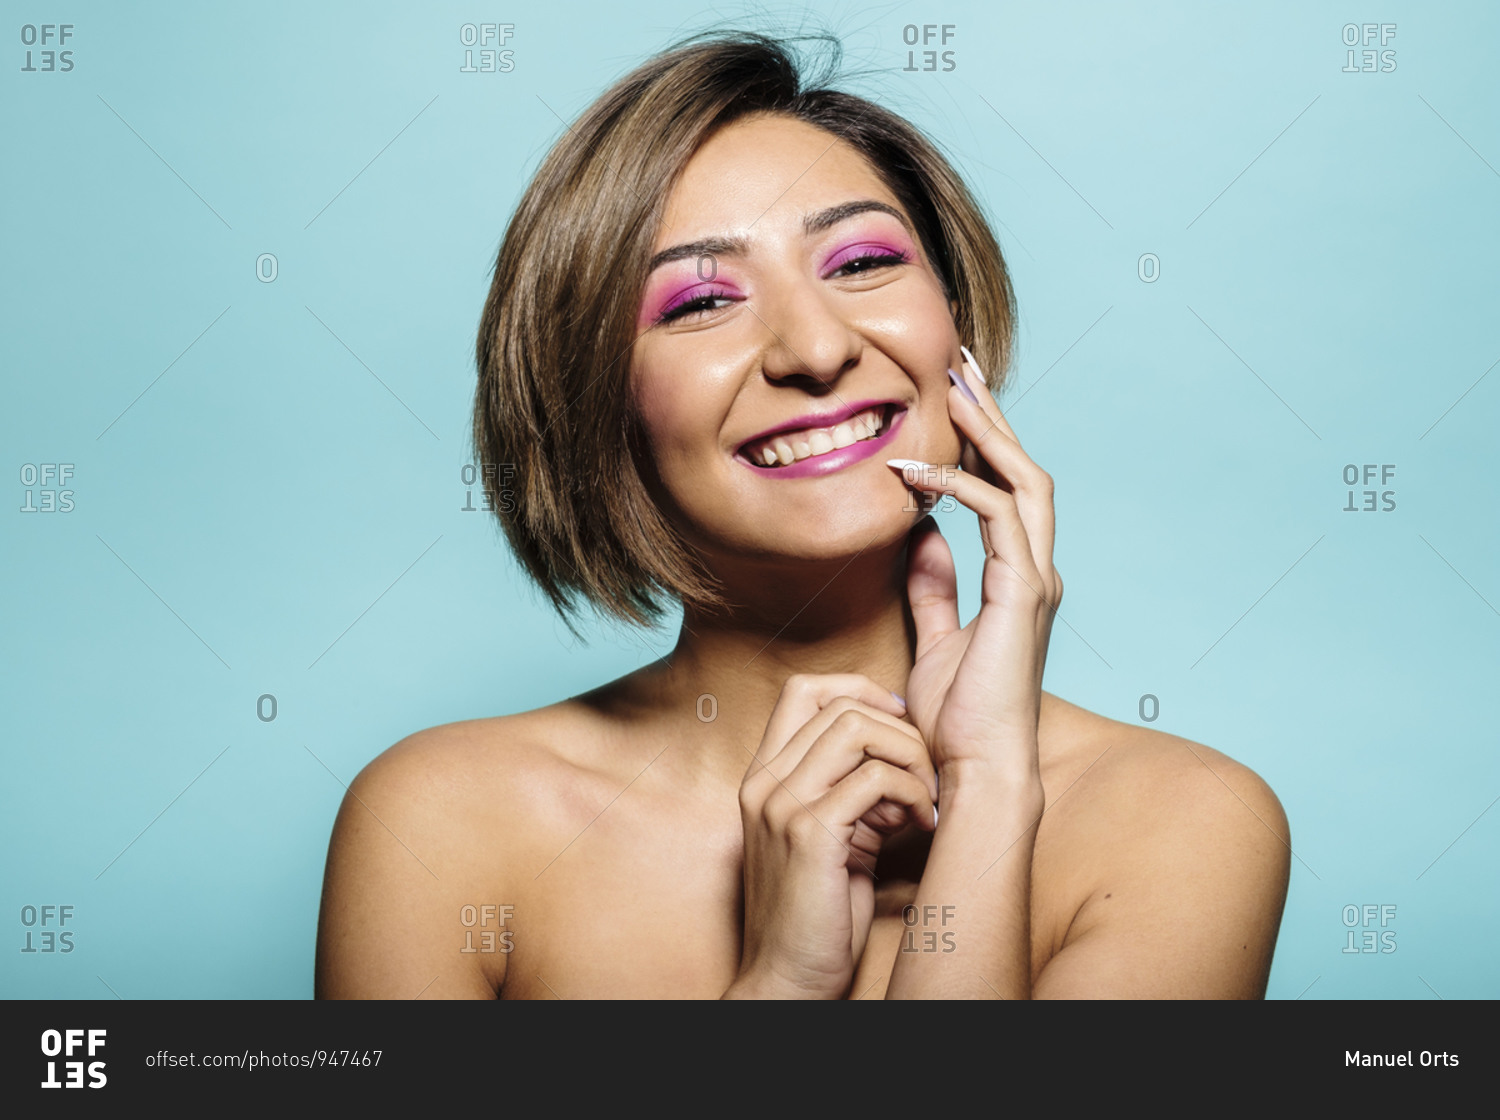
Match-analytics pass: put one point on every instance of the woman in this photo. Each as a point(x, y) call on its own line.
point(736, 346)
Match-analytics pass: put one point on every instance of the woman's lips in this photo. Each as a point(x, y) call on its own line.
point(788, 444)
point(836, 459)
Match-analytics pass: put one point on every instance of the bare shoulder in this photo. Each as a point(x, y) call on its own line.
point(1172, 850)
point(440, 821)
point(462, 773)
point(1154, 782)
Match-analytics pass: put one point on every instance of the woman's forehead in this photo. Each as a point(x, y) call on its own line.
point(765, 171)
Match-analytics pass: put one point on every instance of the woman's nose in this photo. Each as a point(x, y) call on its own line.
point(806, 335)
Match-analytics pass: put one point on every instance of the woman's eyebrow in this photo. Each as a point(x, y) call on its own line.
point(704, 247)
point(823, 219)
point(739, 246)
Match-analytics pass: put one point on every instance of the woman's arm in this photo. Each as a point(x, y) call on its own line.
point(1188, 899)
point(968, 934)
point(975, 694)
point(389, 926)
point(1189, 854)
point(1192, 850)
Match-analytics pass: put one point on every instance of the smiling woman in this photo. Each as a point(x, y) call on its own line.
point(734, 348)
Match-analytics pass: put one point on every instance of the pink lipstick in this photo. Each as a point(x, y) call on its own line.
point(818, 444)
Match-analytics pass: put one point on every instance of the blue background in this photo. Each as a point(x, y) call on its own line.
point(267, 476)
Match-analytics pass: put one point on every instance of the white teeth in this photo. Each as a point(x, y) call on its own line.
point(788, 449)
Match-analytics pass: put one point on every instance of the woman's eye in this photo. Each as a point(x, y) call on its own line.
point(694, 306)
point(867, 262)
point(713, 301)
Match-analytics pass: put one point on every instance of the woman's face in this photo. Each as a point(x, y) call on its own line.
point(796, 315)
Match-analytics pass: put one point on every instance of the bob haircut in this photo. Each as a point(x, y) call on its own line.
point(565, 461)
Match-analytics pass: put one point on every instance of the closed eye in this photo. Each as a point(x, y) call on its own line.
point(868, 262)
point(857, 265)
point(695, 306)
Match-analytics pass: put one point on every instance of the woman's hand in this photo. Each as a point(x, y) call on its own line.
point(975, 692)
point(837, 772)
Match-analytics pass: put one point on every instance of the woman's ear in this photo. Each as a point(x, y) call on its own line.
point(953, 308)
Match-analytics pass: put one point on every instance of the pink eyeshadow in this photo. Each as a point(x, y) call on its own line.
point(654, 308)
point(862, 247)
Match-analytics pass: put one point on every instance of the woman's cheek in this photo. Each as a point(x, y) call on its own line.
point(675, 430)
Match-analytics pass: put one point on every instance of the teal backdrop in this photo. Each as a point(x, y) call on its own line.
point(245, 253)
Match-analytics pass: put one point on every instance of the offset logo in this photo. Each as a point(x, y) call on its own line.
point(66, 1044)
point(49, 37)
point(51, 494)
point(488, 38)
point(45, 940)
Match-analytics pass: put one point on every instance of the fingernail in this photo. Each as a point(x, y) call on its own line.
point(899, 699)
point(903, 464)
point(968, 357)
point(934, 816)
point(963, 387)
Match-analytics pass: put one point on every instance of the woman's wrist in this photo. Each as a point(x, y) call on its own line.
point(990, 784)
point(756, 987)
point(762, 982)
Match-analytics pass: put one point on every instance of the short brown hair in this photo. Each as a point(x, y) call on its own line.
point(553, 402)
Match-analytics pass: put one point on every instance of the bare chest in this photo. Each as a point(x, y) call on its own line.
point(654, 920)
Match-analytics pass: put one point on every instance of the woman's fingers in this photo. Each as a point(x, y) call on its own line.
point(805, 694)
point(931, 585)
point(871, 783)
point(975, 379)
point(993, 440)
point(853, 736)
point(1004, 533)
point(852, 719)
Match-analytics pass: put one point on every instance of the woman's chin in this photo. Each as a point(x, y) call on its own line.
point(823, 536)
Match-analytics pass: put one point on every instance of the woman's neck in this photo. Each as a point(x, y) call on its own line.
point(728, 666)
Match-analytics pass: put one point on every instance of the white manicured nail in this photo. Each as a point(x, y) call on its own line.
point(968, 357)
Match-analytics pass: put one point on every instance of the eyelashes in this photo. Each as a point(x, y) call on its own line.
point(875, 255)
point(693, 304)
point(868, 257)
